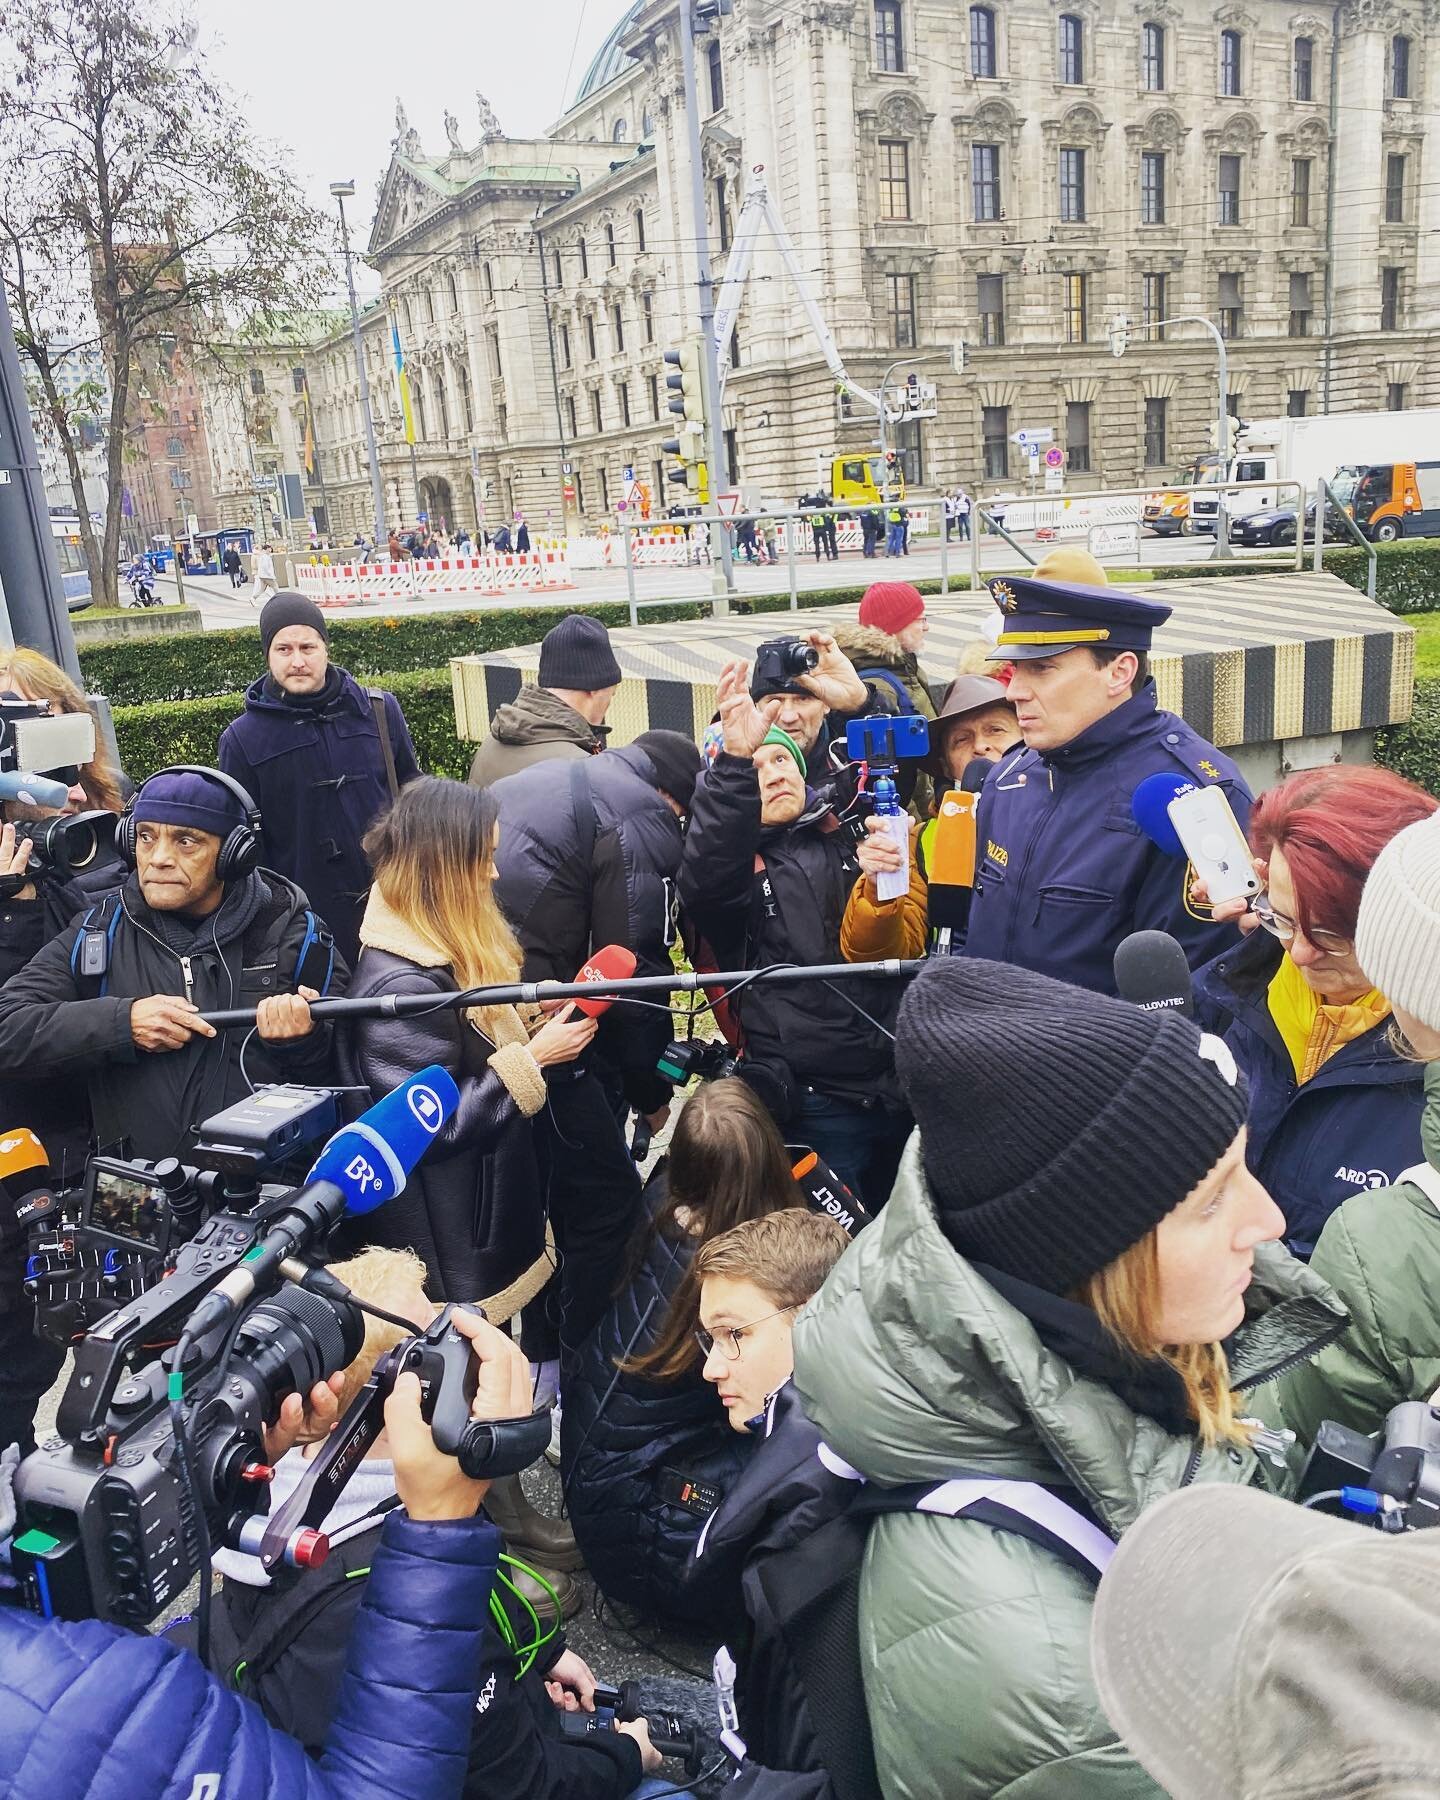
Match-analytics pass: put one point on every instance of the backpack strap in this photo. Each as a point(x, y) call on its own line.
point(1426, 1179)
point(92, 951)
point(315, 965)
point(382, 721)
point(893, 682)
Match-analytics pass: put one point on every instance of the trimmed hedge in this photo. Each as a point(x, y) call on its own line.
point(159, 733)
point(1407, 573)
point(1413, 750)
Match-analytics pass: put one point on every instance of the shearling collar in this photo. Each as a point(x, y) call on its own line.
point(382, 928)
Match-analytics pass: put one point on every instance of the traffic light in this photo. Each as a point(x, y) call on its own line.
point(687, 403)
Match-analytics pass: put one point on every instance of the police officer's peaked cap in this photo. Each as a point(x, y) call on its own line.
point(1043, 618)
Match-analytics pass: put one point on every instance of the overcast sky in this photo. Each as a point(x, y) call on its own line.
point(322, 78)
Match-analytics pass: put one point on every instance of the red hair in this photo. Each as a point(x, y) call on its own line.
point(1332, 824)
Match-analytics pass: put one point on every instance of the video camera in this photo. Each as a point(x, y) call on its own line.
point(161, 1447)
point(711, 1059)
point(1393, 1476)
point(97, 1246)
point(57, 745)
point(669, 1732)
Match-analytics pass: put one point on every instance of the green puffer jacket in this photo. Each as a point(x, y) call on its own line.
point(1380, 1252)
point(974, 1642)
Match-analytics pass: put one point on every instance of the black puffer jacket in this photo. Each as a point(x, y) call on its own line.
point(786, 910)
point(588, 854)
point(55, 1111)
point(53, 1026)
point(629, 1445)
point(472, 1211)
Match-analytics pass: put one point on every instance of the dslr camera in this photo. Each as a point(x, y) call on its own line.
point(57, 745)
point(779, 663)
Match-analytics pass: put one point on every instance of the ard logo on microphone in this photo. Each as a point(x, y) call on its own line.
point(424, 1103)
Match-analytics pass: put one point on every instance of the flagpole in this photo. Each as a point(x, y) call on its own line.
point(402, 384)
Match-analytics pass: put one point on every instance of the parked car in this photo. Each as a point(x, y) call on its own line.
point(1275, 525)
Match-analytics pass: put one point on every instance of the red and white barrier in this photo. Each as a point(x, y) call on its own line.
point(350, 584)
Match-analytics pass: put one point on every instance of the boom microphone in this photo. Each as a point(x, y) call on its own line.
point(360, 1168)
point(1151, 972)
point(613, 963)
point(33, 790)
point(1150, 806)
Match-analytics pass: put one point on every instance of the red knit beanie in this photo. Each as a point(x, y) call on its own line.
point(891, 606)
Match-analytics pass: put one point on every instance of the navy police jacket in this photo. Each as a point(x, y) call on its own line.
point(1064, 872)
point(1355, 1123)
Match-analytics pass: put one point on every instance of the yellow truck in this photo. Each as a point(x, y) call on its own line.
point(856, 480)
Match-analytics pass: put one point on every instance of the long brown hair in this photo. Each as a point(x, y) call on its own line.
point(1125, 1294)
point(433, 857)
point(727, 1163)
point(35, 677)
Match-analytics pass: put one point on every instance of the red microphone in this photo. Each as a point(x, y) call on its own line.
point(613, 963)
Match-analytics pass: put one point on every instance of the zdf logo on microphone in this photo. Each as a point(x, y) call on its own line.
point(424, 1103)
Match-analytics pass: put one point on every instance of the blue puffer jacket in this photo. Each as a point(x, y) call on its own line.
point(1355, 1124)
point(89, 1712)
point(629, 1446)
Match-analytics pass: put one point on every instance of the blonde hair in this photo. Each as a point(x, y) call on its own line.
point(35, 677)
point(433, 857)
point(393, 1279)
point(786, 1254)
point(1125, 1295)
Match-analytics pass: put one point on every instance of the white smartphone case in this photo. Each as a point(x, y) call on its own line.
point(1215, 844)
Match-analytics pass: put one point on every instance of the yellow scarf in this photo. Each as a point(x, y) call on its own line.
point(1314, 1032)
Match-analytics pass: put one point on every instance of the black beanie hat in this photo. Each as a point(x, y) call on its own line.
point(1057, 1126)
point(677, 763)
point(290, 608)
point(577, 654)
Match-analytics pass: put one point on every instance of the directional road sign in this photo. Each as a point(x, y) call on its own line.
point(1042, 434)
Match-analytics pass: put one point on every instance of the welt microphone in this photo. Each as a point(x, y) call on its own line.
point(1151, 972)
point(613, 963)
point(361, 1167)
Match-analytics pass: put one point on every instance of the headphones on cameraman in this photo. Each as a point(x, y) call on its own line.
point(241, 849)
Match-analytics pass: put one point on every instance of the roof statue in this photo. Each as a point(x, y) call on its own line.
point(452, 130)
point(402, 123)
point(489, 124)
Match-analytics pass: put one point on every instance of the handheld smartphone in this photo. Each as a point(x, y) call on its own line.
point(1212, 839)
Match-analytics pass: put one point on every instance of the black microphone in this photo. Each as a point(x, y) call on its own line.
point(1151, 972)
point(977, 773)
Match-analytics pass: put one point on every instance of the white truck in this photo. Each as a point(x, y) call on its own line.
point(1309, 450)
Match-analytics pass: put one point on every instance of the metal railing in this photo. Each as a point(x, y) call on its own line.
point(720, 598)
point(1325, 503)
point(984, 520)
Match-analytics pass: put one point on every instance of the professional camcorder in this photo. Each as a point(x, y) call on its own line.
point(57, 745)
point(1393, 1477)
point(780, 661)
point(161, 1448)
point(96, 1246)
point(684, 1058)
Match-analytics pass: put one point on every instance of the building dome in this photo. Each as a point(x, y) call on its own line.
point(610, 60)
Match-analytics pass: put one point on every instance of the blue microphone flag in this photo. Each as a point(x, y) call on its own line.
point(371, 1160)
point(1148, 804)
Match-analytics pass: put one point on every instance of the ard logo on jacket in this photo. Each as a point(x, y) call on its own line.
point(1363, 1178)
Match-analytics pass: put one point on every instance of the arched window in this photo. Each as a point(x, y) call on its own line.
point(647, 124)
point(1304, 63)
point(417, 407)
point(429, 306)
point(610, 246)
point(619, 131)
point(639, 230)
point(489, 277)
point(1230, 65)
point(1072, 50)
point(717, 76)
point(1152, 58)
point(452, 290)
point(409, 319)
point(465, 400)
point(983, 60)
point(442, 406)
point(584, 259)
point(1400, 68)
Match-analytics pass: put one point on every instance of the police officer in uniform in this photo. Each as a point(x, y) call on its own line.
point(1064, 872)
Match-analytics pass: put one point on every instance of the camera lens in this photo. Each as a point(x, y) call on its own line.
point(797, 658)
point(296, 1339)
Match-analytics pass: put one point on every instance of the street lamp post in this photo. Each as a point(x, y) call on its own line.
point(343, 191)
point(1120, 329)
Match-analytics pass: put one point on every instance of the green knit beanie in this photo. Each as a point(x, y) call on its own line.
point(776, 736)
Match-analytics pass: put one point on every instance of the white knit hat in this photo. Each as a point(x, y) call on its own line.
point(1397, 938)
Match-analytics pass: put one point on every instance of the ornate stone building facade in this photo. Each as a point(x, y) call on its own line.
point(1007, 176)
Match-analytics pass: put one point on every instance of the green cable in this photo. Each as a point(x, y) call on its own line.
point(530, 1651)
